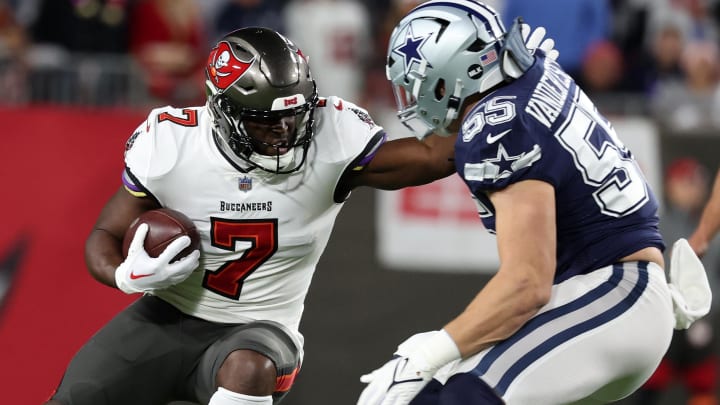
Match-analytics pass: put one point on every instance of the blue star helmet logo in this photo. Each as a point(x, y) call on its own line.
point(410, 50)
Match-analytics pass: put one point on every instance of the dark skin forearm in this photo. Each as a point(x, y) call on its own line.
point(408, 162)
point(103, 247)
point(103, 255)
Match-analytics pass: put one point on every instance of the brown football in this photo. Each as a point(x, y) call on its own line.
point(165, 225)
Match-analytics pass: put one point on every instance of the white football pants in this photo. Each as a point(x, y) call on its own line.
point(599, 339)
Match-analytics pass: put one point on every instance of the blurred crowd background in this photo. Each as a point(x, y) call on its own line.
point(633, 56)
point(657, 60)
point(654, 57)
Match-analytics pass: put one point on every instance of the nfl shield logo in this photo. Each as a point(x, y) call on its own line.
point(245, 183)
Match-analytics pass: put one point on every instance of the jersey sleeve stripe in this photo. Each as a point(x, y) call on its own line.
point(368, 155)
point(130, 185)
point(358, 164)
point(135, 187)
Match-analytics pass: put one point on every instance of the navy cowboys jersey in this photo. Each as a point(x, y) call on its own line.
point(543, 127)
point(262, 234)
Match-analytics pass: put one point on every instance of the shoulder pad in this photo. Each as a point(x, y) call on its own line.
point(151, 151)
point(344, 130)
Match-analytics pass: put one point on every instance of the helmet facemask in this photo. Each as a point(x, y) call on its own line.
point(257, 78)
point(441, 56)
point(288, 156)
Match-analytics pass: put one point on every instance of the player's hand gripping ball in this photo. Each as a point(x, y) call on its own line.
point(161, 250)
point(165, 225)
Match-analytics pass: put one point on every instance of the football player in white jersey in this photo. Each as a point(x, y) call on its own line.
point(262, 170)
point(579, 310)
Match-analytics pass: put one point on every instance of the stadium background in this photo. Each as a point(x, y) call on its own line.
point(63, 135)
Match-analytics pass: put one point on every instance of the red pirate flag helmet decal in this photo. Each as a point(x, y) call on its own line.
point(224, 68)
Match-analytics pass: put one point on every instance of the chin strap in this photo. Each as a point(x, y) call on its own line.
point(515, 58)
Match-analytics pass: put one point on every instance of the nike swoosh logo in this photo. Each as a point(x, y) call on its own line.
point(493, 138)
point(134, 276)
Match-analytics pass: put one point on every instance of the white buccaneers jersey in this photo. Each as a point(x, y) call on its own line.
point(262, 233)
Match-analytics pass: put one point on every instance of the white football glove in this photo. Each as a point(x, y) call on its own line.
point(536, 40)
point(416, 360)
point(142, 273)
point(519, 48)
point(689, 285)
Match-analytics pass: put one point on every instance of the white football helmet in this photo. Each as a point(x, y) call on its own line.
point(438, 55)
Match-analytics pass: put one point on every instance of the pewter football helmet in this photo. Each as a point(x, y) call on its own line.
point(256, 73)
point(441, 53)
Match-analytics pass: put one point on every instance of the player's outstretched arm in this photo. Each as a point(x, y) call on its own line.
point(709, 224)
point(407, 162)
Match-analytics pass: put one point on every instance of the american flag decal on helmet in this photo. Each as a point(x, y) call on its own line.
point(488, 58)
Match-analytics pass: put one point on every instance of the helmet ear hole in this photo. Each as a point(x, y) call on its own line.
point(477, 46)
point(226, 106)
point(439, 90)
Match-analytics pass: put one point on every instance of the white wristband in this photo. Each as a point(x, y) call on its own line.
point(438, 350)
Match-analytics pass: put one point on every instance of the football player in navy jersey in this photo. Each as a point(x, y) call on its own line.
point(580, 310)
point(262, 169)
